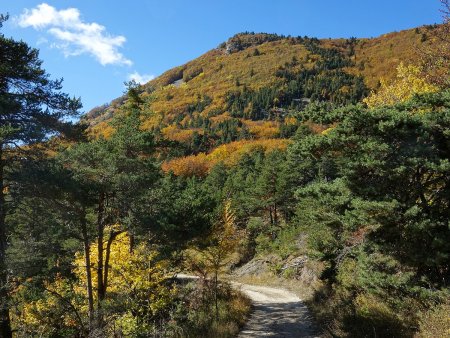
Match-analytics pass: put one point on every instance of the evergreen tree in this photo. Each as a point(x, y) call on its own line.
point(270, 187)
point(374, 204)
point(32, 109)
point(118, 171)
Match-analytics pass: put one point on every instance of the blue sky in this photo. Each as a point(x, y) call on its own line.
point(96, 45)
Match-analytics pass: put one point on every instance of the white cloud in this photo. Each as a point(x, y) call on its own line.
point(74, 36)
point(140, 78)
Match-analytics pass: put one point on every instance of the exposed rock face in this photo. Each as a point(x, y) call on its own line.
point(243, 41)
point(299, 267)
point(301, 270)
point(254, 268)
point(233, 46)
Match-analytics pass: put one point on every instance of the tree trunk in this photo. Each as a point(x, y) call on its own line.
point(272, 223)
point(100, 234)
point(216, 286)
point(87, 260)
point(5, 321)
point(275, 214)
point(270, 215)
point(131, 242)
point(111, 238)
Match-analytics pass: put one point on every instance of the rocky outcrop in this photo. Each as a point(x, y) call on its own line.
point(245, 40)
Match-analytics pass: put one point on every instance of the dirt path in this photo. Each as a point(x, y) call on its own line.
point(277, 313)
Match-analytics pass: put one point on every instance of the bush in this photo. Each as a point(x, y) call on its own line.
point(194, 315)
point(188, 75)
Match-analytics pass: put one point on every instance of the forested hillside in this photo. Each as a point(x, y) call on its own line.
point(329, 160)
point(225, 94)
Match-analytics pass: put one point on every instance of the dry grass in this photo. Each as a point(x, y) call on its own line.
point(234, 309)
point(435, 323)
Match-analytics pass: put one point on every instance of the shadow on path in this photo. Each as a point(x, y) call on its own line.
point(277, 313)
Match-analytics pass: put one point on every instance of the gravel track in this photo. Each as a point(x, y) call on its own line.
point(277, 313)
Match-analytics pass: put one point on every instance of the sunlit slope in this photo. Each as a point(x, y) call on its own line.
point(224, 85)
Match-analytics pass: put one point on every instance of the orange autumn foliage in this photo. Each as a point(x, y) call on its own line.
point(181, 135)
point(263, 129)
point(229, 154)
point(220, 118)
point(194, 165)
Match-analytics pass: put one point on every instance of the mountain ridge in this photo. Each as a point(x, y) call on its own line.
point(165, 76)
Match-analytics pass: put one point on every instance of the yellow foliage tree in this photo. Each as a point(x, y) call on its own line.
point(136, 282)
point(263, 129)
point(60, 307)
point(408, 83)
point(173, 133)
point(137, 269)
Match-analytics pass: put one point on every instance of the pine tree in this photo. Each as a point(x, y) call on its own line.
point(32, 108)
point(117, 173)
